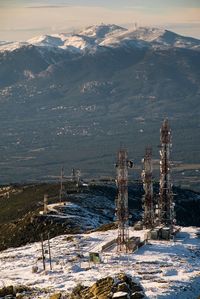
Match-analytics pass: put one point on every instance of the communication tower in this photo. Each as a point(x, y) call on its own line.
point(165, 202)
point(122, 211)
point(148, 200)
point(61, 192)
point(45, 204)
point(76, 175)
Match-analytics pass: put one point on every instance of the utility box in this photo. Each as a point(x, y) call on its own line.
point(138, 225)
point(154, 234)
point(133, 243)
point(165, 233)
point(94, 257)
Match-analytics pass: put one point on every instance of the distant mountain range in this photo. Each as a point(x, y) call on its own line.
point(96, 38)
point(72, 99)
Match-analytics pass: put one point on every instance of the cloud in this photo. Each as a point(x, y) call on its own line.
point(34, 29)
point(187, 29)
point(185, 25)
point(48, 6)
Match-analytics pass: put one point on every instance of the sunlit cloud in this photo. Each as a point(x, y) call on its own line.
point(47, 6)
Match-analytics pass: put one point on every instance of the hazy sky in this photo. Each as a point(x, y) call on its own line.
point(23, 19)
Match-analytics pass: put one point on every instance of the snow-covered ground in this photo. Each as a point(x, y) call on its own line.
point(166, 269)
point(82, 212)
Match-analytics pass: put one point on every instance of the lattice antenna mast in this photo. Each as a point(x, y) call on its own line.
point(73, 175)
point(61, 192)
point(148, 200)
point(76, 175)
point(165, 204)
point(122, 211)
point(45, 204)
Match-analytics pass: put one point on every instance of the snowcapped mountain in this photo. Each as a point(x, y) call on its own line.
point(95, 37)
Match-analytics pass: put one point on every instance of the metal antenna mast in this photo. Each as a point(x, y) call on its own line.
point(165, 203)
point(122, 211)
point(45, 204)
point(148, 201)
point(76, 174)
point(73, 175)
point(61, 184)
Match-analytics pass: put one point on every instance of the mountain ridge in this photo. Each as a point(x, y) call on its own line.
point(92, 37)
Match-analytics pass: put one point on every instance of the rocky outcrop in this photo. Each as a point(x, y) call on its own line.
point(122, 286)
point(16, 292)
point(5, 291)
point(25, 292)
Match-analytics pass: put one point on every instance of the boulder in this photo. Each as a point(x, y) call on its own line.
point(55, 296)
point(121, 295)
point(121, 286)
point(137, 295)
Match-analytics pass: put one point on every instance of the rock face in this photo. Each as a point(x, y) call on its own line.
point(121, 286)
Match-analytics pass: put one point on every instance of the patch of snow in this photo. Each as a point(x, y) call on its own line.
point(11, 46)
point(101, 31)
point(119, 294)
point(77, 42)
point(68, 210)
point(147, 33)
point(46, 41)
